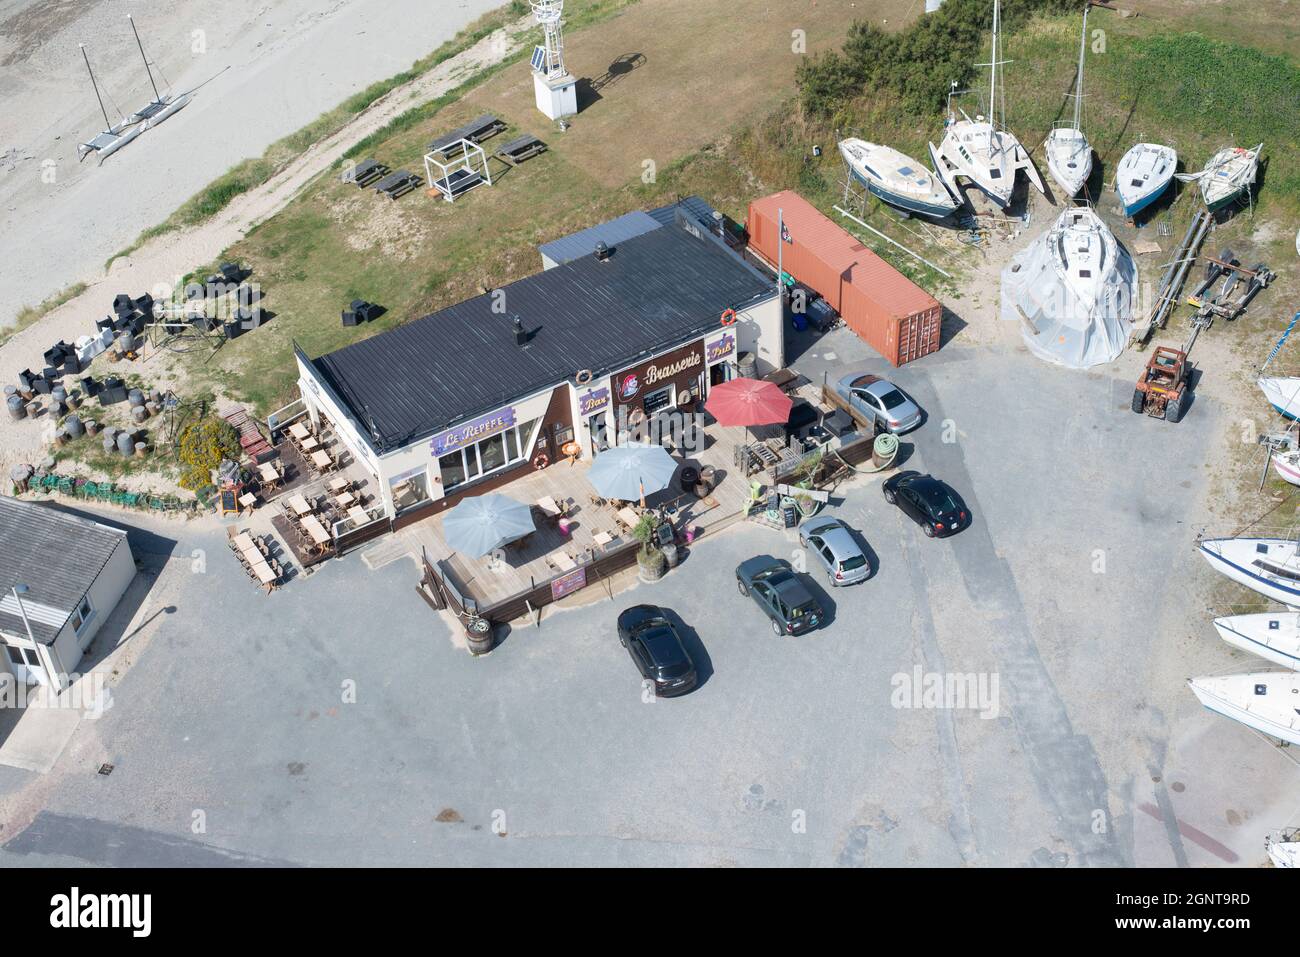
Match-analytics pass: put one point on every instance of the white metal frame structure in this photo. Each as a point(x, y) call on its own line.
point(551, 60)
point(458, 157)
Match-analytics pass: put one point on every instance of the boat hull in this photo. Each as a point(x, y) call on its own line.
point(1265, 701)
point(1274, 637)
point(1238, 571)
point(1287, 467)
point(1283, 395)
point(905, 203)
point(1131, 209)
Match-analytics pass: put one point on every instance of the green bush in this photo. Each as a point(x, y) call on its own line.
point(203, 444)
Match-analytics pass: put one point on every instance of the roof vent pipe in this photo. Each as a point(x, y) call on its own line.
point(521, 337)
point(602, 252)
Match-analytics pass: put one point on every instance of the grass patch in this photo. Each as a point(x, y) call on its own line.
point(28, 315)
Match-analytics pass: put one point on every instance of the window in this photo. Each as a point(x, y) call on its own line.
point(81, 615)
point(33, 659)
point(15, 654)
point(496, 451)
point(659, 399)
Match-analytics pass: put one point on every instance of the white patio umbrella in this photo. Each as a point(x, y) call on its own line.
point(479, 525)
point(632, 471)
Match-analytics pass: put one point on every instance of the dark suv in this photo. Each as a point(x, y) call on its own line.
point(776, 589)
point(930, 503)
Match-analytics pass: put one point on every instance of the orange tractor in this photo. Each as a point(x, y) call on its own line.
point(1163, 389)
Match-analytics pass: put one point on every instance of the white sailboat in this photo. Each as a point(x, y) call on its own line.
point(897, 179)
point(1283, 394)
point(1268, 701)
point(1072, 291)
point(1287, 465)
point(1143, 174)
point(1271, 635)
point(982, 150)
point(1269, 566)
point(1283, 847)
point(1227, 175)
point(1069, 154)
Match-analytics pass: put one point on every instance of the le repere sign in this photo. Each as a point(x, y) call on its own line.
point(470, 432)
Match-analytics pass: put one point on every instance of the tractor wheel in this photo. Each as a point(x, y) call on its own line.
point(1139, 401)
point(1174, 410)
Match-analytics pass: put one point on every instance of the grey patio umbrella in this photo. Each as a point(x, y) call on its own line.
point(478, 525)
point(631, 471)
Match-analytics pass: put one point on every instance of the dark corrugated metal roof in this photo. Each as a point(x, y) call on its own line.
point(656, 291)
point(583, 243)
point(56, 555)
point(691, 205)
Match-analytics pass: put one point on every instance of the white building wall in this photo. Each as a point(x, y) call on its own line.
point(760, 331)
point(64, 655)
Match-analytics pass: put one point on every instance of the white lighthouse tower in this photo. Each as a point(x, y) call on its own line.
point(556, 87)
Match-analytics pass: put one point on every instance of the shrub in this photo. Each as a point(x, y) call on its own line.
point(203, 444)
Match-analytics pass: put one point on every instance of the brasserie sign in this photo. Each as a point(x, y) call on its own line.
point(470, 432)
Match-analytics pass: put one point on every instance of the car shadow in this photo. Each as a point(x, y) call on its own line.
point(694, 647)
point(873, 560)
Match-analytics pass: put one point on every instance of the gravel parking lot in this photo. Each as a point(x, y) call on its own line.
point(1071, 603)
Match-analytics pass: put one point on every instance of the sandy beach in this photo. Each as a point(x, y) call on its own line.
point(268, 68)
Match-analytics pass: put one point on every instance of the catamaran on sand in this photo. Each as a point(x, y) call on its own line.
point(981, 150)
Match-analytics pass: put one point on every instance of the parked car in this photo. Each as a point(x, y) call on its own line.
point(929, 502)
point(832, 545)
point(881, 400)
point(657, 650)
point(776, 589)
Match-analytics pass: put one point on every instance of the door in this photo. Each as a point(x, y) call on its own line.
point(26, 665)
point(598, 430)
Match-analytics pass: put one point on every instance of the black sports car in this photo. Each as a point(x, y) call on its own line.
point(930, 503)
point(657, 650)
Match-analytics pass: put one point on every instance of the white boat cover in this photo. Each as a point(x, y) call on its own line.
point(1073, 290)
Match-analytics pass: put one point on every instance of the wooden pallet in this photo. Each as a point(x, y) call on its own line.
point(251, 439)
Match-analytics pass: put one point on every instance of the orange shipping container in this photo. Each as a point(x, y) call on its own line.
point(888, 311)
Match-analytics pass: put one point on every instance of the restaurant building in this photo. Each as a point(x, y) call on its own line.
point(468, 399)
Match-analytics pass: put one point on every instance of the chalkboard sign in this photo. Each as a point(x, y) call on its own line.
point(790, 515)
point(228, 501)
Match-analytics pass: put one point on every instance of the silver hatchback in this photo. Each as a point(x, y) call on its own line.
point(831, 542)
point(881, 400)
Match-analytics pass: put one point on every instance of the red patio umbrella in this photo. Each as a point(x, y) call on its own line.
point(748, 402)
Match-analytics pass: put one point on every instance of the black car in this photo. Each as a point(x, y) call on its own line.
point(776, 589)
point(930, 503)
point(657, 650)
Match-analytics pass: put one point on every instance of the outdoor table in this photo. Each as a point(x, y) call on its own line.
point(265, 574)
point(358, 515)
point(299, 431)
point(254, 554)
point(247, 500)
point(316, 530)
point(243, 541)
point(344, 499)
point(309, 443)
point(322, 460)
point(547, 505)
point(268, 473)
point(628, 517)
point(563, 562)
point(601, 539)
point(339, 484)
point(299, 504)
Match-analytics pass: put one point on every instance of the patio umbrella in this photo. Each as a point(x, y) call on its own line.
point(478, 525)
point(630, 471)
point(748, 402)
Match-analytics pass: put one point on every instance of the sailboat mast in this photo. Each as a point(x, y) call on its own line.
point(993, 70)
point(1083, 46)
point(156, 95)
point(108, 125)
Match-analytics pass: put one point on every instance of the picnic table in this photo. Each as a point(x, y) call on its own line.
point(299, 504)
point(316, 530)
point(299, 431)
point(322, 460)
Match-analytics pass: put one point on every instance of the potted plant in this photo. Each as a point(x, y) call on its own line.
point(650, 560)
